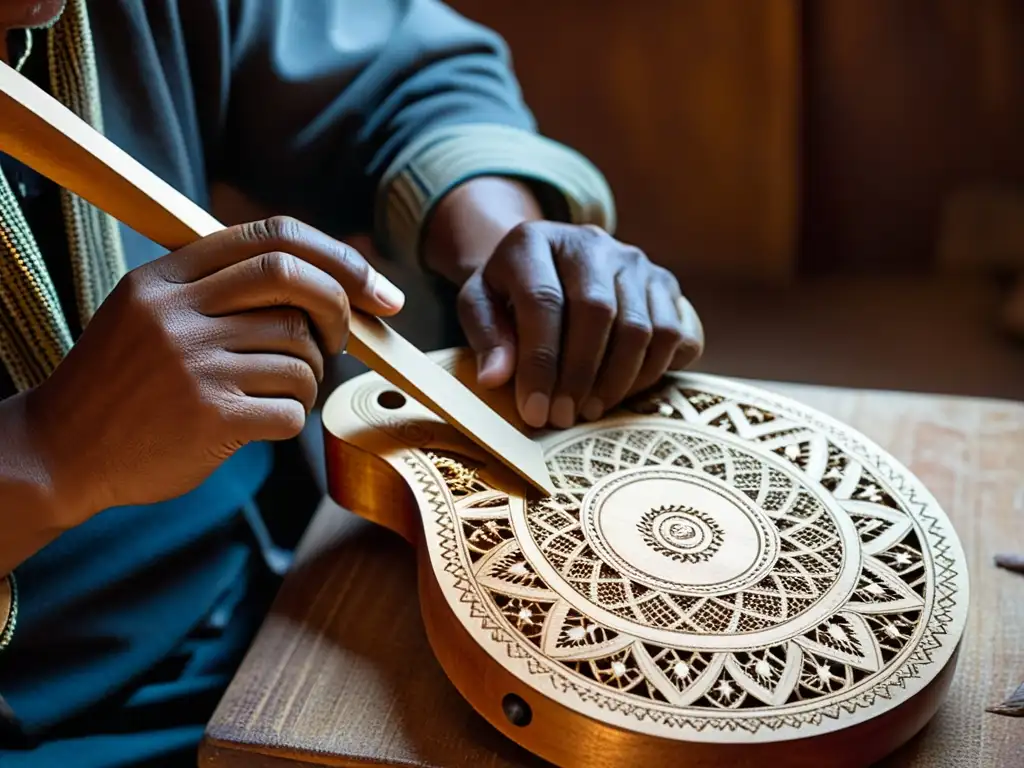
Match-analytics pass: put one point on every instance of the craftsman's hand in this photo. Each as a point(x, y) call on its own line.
point(194, 355)
point(581, 319)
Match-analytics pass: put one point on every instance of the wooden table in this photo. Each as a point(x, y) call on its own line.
point(341, 673)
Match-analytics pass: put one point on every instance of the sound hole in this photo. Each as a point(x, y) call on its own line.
point(391, 400)
point(516, 710)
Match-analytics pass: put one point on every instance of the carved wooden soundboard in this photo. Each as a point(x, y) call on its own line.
point(722, 576)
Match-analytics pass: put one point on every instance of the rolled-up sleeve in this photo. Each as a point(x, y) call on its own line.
point(366, 112)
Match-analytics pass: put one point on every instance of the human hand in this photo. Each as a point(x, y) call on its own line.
point(192, 356)
point(581, 319)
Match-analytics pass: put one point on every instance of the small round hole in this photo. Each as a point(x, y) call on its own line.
point(391, 400)
point(516, 710)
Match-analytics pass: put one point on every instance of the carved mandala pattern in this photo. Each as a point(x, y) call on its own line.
point(681, 533)
point(784, 569)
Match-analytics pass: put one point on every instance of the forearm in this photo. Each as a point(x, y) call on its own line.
point(30, 514)
point(468, 223)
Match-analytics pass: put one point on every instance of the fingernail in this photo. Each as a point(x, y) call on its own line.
point(535, 411)
point(387, 293)
point(593, 409)
point(563, 412)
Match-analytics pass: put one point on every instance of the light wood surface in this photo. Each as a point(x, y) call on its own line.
point(40, 132)
point(341, 673)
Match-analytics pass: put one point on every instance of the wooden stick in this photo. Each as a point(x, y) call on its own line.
point(1010, 562)
point(46, 136)
point(1012, 707)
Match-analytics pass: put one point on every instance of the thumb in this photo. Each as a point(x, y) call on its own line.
point(489, 330)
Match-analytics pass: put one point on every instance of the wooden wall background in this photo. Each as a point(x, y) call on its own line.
point(748, 137)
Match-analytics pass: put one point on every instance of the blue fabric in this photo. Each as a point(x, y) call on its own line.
point(162, 748)
point(106, 602)
point(132, 624)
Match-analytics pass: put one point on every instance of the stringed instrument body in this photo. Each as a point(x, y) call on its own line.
point(722, 577)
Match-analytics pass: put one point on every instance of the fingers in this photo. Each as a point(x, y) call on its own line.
point(627, 347)
point(278, 279)
point(367, 289)
point(589, 315)
point(666, 335)
point(584, 320)
point(272, 395)
point(488, 330)
point(268, 418)
point(276, 331)
point(526, 274)
point(692, 346)
point(262, 375)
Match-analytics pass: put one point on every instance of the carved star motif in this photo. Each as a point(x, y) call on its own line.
point(725, 689)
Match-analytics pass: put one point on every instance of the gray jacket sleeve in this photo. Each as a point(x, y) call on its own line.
point(365, 112)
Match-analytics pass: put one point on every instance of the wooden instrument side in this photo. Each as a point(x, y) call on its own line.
point(367, 485)
point(362, 480)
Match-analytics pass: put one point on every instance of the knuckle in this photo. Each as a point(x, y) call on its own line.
point(542, 359)
point(294, 325)
point(353, 263)
point(547, 297)
point(131, 281)
point(594, 237)
point(277, 229)
point(278, 267)
point(636, 328)
point(470, 299)
point(524, 234)
point(303, 381)
point(599, 307)
point(665, 275)
point(689, 350)
point(669, 335)
point(633, 255)
point(297, 371)
point(528, 228)
point(137, 286)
